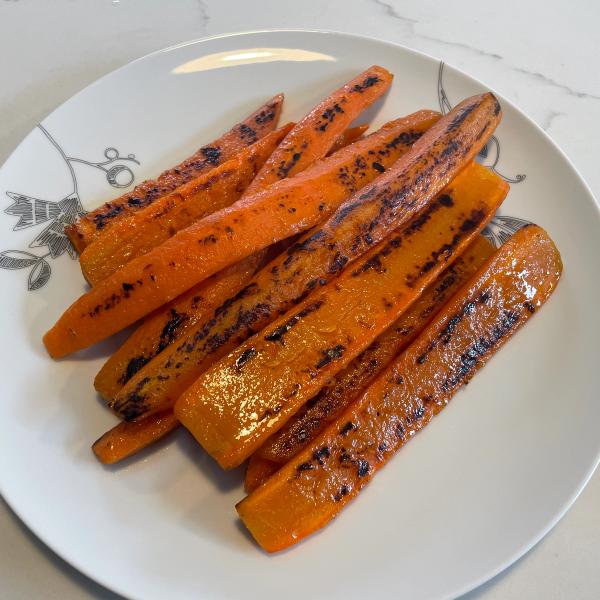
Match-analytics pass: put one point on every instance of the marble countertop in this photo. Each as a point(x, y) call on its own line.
point(541, 54)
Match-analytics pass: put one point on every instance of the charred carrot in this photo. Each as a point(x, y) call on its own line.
point(318, 412)
point(140, 232)
point(249, 394)
point(275, 289)
point(251, 129)
point(306, 493)
point(258, 471)
point(225, 237)
point(126, 439)
point(349, 136)
point(169, 323)
point(315, 134)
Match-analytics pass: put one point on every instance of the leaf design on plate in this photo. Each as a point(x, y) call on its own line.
point(39, 275)
point(17, 259)
point(31, 211)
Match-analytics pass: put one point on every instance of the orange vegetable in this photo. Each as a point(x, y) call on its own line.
point(271, 292)
point(306, 493)
point(252, 128)
point(349, 136)
point(316, 133)
point(258, 471)
point(145, 229)
point(248, 395)
point(318, 412)
point(170, 322)
point(128, 438)
point(226, 237)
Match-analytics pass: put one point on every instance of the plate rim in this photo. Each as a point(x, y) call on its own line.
point(73, 561)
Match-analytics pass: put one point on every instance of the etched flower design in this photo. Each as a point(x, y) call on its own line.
point(32, 212)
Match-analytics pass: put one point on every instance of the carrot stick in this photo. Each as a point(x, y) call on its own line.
point(318, 412)
point(275, 289)
point(145, 229)
point(349, 136)
point(169, 323)
point(306, 493)
point(320, 128)
point(258, 471)
point(252, 128)
point(235, 405)
point(128, 438)
point(226, 237)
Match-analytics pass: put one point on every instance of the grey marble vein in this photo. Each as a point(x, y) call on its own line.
point(390, 11)
point(550, 118)
point(204, 16)
point(551, 82)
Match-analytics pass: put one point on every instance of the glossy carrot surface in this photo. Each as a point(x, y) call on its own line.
point(235, 405)
point(274, 289)
point(306, 493)
point(319, 411)
point(261, 122)
point(142, 231)
point(316, 133)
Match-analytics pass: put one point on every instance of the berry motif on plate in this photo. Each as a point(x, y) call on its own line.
point(32, 212)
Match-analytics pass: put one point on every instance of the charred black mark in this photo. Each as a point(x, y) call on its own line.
point(399, 380)
point(347, 428)
point(127, 287)
point(134, 404)
point(461, 115)
point(294, 391)
point(415, 415)
point(305, 466)
point(331, 354)
point(286, 166)
point(306, 245)
point(337, 264)
point(329, 115)
point(445, 200)
point(244, 357)
point(447, 250)
point(344, 491)
point(209, 239)
point(264, 116)
point(101, 219)
point(169, 331)
point(243, 293)
point(248, 134)
point(321, 454)
point(378, 167)
point(529, 306)
point(343, 211)
point(367, 83)
point(211, 154)
point(362, 467)
point(400, 431)
point(375, 262)
point(279, 332)
point(470, 359)
point(497, 107)
point(133, 366)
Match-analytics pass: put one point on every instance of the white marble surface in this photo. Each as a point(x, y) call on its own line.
point(542, 54)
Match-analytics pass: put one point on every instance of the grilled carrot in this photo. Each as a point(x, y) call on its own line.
point(316, 133)
point(249, 394)
point(128, 438)
point(169, 323)
point(223, 238)
point(273, 290)
point(145, 229)
point(258, 471)
point(349, 136)
point(252, 128)
point(306, 493)
point(317, 413)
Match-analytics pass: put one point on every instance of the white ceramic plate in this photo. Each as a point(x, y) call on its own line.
point(484, 482)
